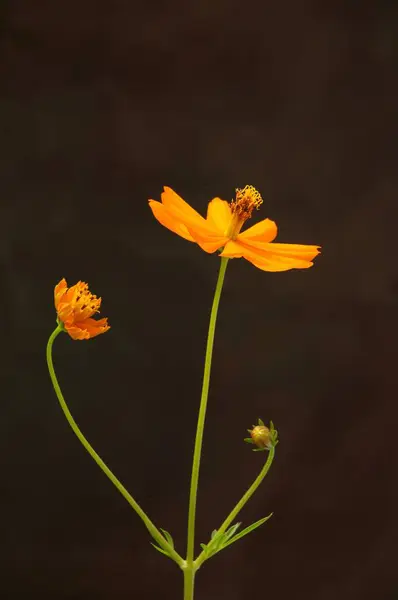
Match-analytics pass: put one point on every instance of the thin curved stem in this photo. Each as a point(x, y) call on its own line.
point(238, 507)
point(153, 530)
point(201, 419)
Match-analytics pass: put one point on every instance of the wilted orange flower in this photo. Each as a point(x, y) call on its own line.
point(221, 230)
point(75, 306)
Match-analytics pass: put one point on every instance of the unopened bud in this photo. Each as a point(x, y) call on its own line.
point(260, 434)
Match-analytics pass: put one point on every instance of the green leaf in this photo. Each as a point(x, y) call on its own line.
point(260, 422)
point(160, 550)
point(168, 537)
point(213, 533)
point(225, 539)
point(248, 440)
point(247, 530)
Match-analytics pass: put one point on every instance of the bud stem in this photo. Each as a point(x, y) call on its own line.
point(234, 513)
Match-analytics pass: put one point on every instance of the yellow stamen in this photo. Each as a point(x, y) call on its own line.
point(246, 200)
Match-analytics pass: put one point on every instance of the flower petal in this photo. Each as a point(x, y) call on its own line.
point(219, 214)
point(232, 250)
point(182, 213)
point(59, 291)
point(296, 251)
point(72, 292)
point(208, 243)
point(163, 216)
point(76, 333)
point(273, 257)
point(174, 203)
point(274, 264)
point(264, 231)
point(64, 311)
point(86, 329)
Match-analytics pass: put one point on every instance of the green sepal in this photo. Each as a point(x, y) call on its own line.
point(273, 434)
point(215, 544)
point(168, 537)
point(248, 440)
point(212, 546)
point(261, 422)
point(230, 532)
point(60, 324)
point(160, 550)
point(218, 543)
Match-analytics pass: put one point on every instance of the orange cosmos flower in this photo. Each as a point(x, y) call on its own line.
point(221, 230)
point(75, 307)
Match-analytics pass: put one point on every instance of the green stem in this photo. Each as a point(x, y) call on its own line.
point(236, 510)
point(188, 591)
point(150, 526)
point(189, 583)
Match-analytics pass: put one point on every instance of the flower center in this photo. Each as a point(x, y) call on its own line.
point(246, 200)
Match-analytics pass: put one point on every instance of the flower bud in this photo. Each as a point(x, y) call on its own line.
point(260, 434)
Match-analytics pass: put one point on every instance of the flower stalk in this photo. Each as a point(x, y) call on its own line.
point(153, 530)
point(188, 580)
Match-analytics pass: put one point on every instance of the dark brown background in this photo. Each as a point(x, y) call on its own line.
point(103, 103)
